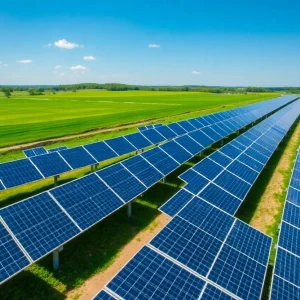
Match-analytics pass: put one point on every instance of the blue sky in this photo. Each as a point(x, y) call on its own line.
point(249, 43)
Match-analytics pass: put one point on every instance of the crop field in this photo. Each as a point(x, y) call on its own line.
point(27, 118)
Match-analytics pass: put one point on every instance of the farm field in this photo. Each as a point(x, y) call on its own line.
point(27, 118)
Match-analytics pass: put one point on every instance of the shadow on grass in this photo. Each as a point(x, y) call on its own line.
point(268, 282)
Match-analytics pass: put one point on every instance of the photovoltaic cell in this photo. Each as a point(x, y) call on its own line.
point(256, 155)
point(282, 289)
point(188, 244)
point(153, 136)
point(244, 140)
point(201, 138)
point(212, 293)
point(100, 151)
point(176, 203)
point(77, 157)
point(50, 164)
point(189, 144)
point(12, 258)
point(138, 140)
point(195, 123)
point(103, 295)
point(166, 132)
point(208, 168)
point(261, 150)
point(211, 133)
point(176, 128)
point(230, 151)
point(220, 158)
point(87, 200)
point(243, 171)
point(18, 172)
point(160, 279)
point(39, 224)
point(250, 162)
point(188, 127)
point(117, 178)
point(295, 182)
point(291, 214)
point(289, 238)
point(120, 145)
point(196, 182)
point(29, 153)
point(39, 150)
point(176, 151)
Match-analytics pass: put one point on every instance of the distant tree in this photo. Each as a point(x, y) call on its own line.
point(7, 93)
point(74, 91)
point(31, 92)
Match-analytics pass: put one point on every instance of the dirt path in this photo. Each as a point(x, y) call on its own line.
point(88, 290)
point(269, 206)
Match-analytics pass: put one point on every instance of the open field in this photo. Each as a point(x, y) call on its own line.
point(27, 118)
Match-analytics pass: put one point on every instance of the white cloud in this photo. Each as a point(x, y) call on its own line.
point(66, 45)
point(57, 67)
point(78, 68)
point(24, 61)
point(3, 65)
point(48, 45)
point(89, 57)
point(195, 72)
point(153, 46)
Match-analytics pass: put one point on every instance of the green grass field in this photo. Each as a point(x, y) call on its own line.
point(27, 118)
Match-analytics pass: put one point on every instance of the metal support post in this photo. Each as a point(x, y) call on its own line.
point(56, 258)
point(56, 180)
point(129, 209)
point(164, 180)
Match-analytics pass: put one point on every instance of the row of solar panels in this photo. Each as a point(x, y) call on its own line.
point(203, 252)
point(142, 128)
point(41, 150)
point(286, 273)
point(225, 177)
point(34, 227)
point(35, 168)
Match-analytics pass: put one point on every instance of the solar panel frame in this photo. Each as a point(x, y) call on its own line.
point(291, 214)
point(57, 149)
point(138, 140)
point(100, 151)
point(289, 238)
point(120, 145)
point(189, 144)
point(220, 158)
point(166, 132)
point(208, 168)
point(176, 128)
point(188, 127)
point(243, 171)
point(177, 152)
point(201, 138)
point(153, 136)
point(282, 289)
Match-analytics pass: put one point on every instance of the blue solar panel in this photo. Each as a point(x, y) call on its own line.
point(196, 182)
point(188, 244)
point(176, 151)
point(233, 184)
point(153, 136)
point(244, 140)
point(243, 171)
point(166, 132)
point(138, 140)
point(122, 182)
point(290, 238)
point(189, 144)
point(208, 168)
point(103, 295)
point(138, 166)
point(220, 158)
point(287, 266)
point(211, 133)
point(18, 172)
point(256, 155)
point(250, 241)
point(150, 275)
point(228, 124)
point(188, 127)
point(176, 128)
point(29, 153)
point(39, 224)
point(238, 273)
point(160, 160)
point(282, 290)
point(238, 145)
point(50, 164)
point(230, 151)
point(250, 162)
point(295, 182)
point(195, 123)
point(100, 151)
point(220, 198)
point(261, 150)
point(57, 149)
point(250, 136)
point(77, 157)
point(87, 200)
point(207, 218)
point(212, 293)
point(201, 138)
point(39, 151)
point(203, 121)
point(12, 258)
point(292, 214)
point(120, 145)
point(176, 203)
point(142, 128)
point(221, 130)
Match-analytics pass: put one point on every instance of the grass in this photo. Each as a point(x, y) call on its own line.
point(27, 118)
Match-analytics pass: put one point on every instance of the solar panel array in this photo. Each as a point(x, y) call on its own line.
point(225, 177)
point(286, 273)
point(35, 151)
point(142, 128)
point(203, 130)
point(42, 223)
point(204, 252)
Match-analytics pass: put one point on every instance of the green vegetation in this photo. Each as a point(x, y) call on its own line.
point(27, 118)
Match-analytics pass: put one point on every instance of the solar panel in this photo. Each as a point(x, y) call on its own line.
point(195, 123)
point(188, 127)
point(138, 140)
point(243, 171)
point(166, 132)
point(238, 145)
point(100, 151)
point(50, 164)
point(39, 150)
point(122, 182)
point(211, 133)
point(57, 149)
point(201, 138)
point(162, 279)
point(295, 182)
point(250, 162)
point(188, 244)
point(153, 136)
point(87, 200)
point(176, 203)
point(120, 145)
point(207, 218)
point(29, 153)
point(282, 289)
point(220, 198)
point(189, 144)
point(39, 224)
point(160, 160)
point(176, 151)
point(220, 158)
point(244, 140)
point(146, 173)
point(261, 150)
point(203, 121)
point(176, 128)
point(233, 184)
point(12, 258)
point(142, 128)
point(103, 295)
point(290, 238)
point(208, 168)
point(230, 151)
point(77, 157)
point(18, 172)
point(212, 293)
point(291, 214)
point(195, 182)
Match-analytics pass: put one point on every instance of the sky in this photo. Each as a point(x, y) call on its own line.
point(154, 42)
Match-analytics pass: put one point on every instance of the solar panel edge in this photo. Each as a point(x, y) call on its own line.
point(110, 148)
